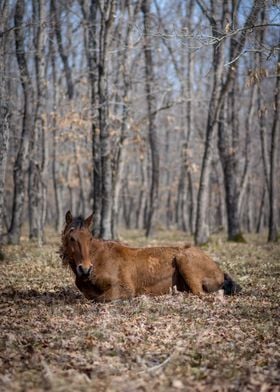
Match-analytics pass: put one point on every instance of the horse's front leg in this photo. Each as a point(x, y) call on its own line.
point(115, 292)
point(89, 290)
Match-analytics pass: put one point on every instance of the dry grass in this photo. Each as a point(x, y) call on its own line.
point(54, 339)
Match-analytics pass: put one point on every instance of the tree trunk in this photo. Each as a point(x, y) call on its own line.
point(4, 115)
point(4, 145)
point(62, 53)
point(228, 148)
point(107, 16)
point(81, 179)
point(202, 227)
point(59, 218)
point(90, 36)
point(261, 211)
point(140, 210)
point(247, 165)
point(152, 134)
point(39, 146)
point(272, 225)
point(119, 160)
point(262, 110)
point(219, 90)
point(21, 163)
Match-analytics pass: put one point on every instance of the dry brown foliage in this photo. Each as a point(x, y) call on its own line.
point(54, 339)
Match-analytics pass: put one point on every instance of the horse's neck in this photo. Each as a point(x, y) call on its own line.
point(96, 244)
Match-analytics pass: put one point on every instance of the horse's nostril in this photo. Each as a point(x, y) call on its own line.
point(83, 271)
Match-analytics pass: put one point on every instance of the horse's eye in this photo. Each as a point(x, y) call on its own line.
point(72, 239)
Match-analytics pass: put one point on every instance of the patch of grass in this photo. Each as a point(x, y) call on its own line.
point(52, 338)
point(239, 237)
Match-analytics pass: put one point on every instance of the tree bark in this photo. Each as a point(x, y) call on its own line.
point(59, 218)
point(261, 211)
point(219, 89)
point(107, 16)
point(4, 115)
point(247, 164)
point(39, 147)
point(21, 163)
point(62, 53)
point(90, 38)
point(152, 133)
point(272, 224)
point(229, 158)
point(119, 159)
point(4, 146)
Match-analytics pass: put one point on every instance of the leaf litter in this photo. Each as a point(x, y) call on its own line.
point(54, 339)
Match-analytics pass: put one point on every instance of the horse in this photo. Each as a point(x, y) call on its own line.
point(109, 270)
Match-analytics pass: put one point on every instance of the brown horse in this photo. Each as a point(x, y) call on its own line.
point(109, 270)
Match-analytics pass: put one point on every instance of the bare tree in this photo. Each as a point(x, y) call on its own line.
point(4, 143)
point(107, 15)
point(39, 146)
point(273, 197)
point(91, 49)
point(119, 154)
point(152, 134)
point(62, 52)
point(4, 113)
point(21, 163)
point(219, 91)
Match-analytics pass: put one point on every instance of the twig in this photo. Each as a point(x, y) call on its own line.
point(157, 367)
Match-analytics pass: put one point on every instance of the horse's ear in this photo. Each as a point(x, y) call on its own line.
point(68, 217)
point(88, 221)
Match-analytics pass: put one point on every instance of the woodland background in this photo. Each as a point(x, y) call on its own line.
point(153, 114)
point(162, 117)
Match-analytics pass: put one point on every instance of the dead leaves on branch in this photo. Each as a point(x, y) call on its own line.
point(255, 76)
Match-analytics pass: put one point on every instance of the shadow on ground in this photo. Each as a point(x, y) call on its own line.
point(66, 295)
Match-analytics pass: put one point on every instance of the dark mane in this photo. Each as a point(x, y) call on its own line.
point(77, 223)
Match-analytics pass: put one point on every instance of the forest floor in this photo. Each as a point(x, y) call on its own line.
point(54, 339)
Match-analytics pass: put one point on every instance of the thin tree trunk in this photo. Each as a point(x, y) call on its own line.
point(250, 218)
point(119, 160)
point(272, 225)
point(107, 15)
point(142, 198)
point(247, 165)
point(90, 38)
point(261, 111)
point(61, 50)
point(261, 212)
point(39, 146)
point(152, 134)
point(228, 148)
point(219, 90)
point(55, 169)
point(202, 228)
point(81, 179)
point(191, 213)
point(4, 146)
point(4, 115)
point(21, 163)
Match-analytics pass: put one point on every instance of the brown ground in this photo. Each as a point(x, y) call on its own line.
point(54, 339)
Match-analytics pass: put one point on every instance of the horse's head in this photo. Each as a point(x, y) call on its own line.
point(76, 240)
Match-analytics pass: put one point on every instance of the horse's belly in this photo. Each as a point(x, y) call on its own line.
point(158, 288)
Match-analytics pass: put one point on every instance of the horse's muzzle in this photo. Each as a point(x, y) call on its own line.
point(83, 272)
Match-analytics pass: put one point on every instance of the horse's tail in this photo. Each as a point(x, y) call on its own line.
point(229, 286)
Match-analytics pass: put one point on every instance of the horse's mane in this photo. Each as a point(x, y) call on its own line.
point(77, 223)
